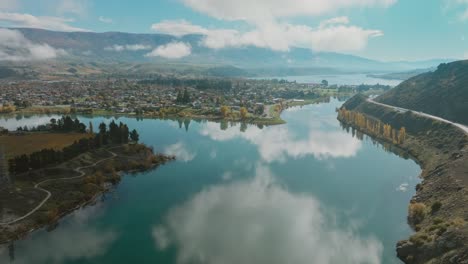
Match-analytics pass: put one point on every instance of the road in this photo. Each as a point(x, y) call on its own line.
point(403, 110)
point(37, 186)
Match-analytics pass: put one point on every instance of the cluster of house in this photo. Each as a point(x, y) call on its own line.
point(128, 96)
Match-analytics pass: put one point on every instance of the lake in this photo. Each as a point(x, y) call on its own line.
point(304, 192)
point(338, 79)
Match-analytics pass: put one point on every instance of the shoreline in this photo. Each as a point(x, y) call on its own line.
point(256, 120)
point(435, 212)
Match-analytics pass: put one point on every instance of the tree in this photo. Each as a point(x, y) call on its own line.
point(186, 97)
point(134, 136)
point(243, 112)
point(324, 83)
point(224, 110)
point(91, 130)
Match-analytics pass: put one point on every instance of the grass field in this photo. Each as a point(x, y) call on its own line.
point(15, 145)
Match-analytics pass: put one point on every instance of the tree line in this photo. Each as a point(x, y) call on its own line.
point(112, 134)
point(65, 124)
point(372, 126)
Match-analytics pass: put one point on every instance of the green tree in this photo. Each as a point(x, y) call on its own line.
point(134, 136)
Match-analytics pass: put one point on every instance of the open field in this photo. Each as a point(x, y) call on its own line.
point(28, 143)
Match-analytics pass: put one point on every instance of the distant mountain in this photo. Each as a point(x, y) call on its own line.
point(442, 93)
point(107, 48)
point(402, 75)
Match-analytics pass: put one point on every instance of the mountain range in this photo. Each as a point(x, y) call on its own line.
point(112, 47)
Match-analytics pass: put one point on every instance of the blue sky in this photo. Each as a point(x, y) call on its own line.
point(377, 29)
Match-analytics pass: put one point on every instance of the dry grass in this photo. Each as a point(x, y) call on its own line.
point(15, 145)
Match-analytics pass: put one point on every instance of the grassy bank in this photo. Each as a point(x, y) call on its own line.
point(438, 212)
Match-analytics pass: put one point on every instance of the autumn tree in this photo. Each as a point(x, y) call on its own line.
point(224, 110)
point(243, 112)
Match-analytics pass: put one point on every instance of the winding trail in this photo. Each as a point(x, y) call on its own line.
point(37, 186)
point(403, 110)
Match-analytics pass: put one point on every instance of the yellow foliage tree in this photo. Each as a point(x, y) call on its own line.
point(244, 112)
point(225, 110)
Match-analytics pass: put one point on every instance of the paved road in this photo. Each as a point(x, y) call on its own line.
point(37, 186)
point(402, 110)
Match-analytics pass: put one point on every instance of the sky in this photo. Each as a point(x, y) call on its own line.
point(387, 30)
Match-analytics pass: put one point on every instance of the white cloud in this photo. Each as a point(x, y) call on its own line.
point(258, 221)
point(174, 50)
point(331, 35)
point(180, 151)
point(43, 22)
point(9, 4)
point(15, 47)
point(403, 187)
point(133, 47)
point(461, 7)
point(264, 10)
point(465, 56)
point(74, 7)
point(106, 20)
point(178, 28)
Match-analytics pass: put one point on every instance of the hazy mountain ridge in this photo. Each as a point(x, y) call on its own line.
point(443, 92)
point(90, 46)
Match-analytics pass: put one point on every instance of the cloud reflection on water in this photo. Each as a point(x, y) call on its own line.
point(259, 221)
point(279, 143)
point(77, 241)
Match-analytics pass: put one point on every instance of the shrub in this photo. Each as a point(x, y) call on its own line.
point(417, 212)
point(436, 206)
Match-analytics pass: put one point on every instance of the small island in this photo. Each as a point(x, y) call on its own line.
point(47, 180)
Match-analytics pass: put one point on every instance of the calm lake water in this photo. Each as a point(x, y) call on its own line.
point(304, 192)
point(339, 79)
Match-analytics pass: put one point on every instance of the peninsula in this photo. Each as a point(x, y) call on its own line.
point(45, 181)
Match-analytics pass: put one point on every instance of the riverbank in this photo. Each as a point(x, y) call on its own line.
point(39, 198)
point(272, 114)
point(438, 212)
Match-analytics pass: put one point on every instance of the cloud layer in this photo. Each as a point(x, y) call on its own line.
point(174, 50)
point(332, 35)
point(15, 47)
point(258, 221)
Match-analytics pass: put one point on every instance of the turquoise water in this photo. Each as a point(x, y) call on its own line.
point(304, 192)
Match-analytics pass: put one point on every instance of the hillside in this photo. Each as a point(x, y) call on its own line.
point(442, 93)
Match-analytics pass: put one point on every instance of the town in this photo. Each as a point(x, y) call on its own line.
point(166, 96)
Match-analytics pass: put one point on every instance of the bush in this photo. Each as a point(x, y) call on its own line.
point(436, 206)
point(417, 212)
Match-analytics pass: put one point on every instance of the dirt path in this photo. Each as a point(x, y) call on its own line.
point(402, 110)
point(37, 186)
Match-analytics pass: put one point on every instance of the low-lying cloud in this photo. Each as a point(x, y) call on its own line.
point(258, 221)
point(174, 50)
point(15, 47)
point(131, 47)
